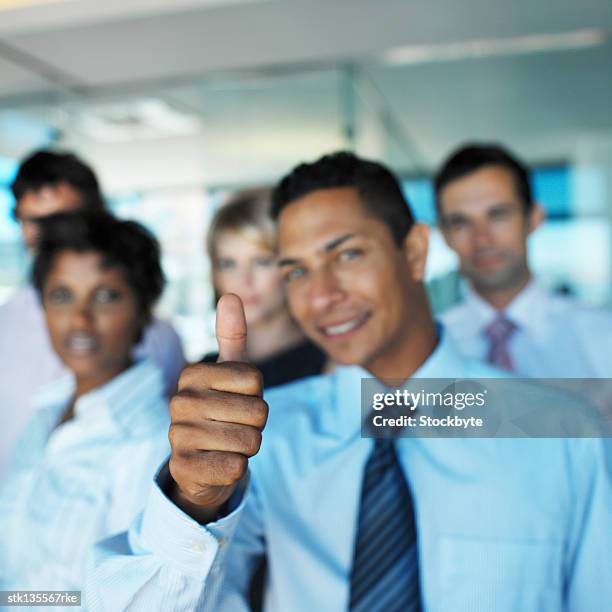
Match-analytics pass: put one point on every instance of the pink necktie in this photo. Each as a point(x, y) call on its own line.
point(499, 332)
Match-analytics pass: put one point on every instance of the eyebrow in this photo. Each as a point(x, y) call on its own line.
point(462, 214)
point(330, 246)
point(501, 205)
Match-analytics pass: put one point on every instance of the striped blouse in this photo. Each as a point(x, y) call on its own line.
point(71, 485)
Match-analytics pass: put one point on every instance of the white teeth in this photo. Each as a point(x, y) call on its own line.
point(334, 330)
point(82, 343)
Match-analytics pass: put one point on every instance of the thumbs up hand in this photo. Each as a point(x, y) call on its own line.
point(217, 418)
point(231, 329)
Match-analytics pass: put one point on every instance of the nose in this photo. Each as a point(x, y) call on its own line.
point(246, 276)
point(325, 290)
point(482, 235)
point(82, 318)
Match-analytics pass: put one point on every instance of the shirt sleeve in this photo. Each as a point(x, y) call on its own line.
point(162, 344)
point(589, 575)
point(167, 561)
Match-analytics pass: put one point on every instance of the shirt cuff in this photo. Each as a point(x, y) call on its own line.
point(174, 536)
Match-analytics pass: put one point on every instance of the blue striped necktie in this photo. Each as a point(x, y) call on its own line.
point(385, 573)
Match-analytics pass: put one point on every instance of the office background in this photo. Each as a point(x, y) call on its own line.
point(177, 102)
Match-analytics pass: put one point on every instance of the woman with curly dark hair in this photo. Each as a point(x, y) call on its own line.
point(69, 484)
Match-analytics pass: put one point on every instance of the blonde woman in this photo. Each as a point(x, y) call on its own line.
point(240, 244)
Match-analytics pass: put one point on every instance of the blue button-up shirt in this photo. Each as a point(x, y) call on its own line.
point(511, 525)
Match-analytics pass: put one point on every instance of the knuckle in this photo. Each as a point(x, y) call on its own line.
point(195, 376)
point(186, 472)
point(174, 436)
point(177, 468)
point(183, 438)
point(253, 443)
point(188, 374)
point(254, 378)
point(235, 466)
point(177, 405)
point(260, 412)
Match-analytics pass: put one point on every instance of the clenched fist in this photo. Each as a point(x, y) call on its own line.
point(217, 418)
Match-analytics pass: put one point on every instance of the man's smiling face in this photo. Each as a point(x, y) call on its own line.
point(349, 284)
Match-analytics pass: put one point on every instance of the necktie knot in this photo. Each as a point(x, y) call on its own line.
point(500, 329)
point(384, 445)
point(499, 333)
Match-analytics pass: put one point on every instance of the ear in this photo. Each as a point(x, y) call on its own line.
point(415, 247)
point(535, 218)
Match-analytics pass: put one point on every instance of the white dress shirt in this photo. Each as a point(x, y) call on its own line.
point(69, 486)
point(556, 336)
point(28, 361)
point(504, 525)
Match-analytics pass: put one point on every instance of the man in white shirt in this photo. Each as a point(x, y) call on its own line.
point(48, 183)
point(347, 522)
point(487, 211)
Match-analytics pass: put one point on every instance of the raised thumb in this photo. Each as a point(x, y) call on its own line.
point(231, 329)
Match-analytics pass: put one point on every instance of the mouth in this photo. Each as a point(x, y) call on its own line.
point(81, 343)
point(345, 328)
point(487, 261)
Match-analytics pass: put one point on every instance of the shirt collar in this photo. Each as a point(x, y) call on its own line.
point(343, 417)
point(125, 396)
point(56, 392)
point(119, 402)
point(528, 310)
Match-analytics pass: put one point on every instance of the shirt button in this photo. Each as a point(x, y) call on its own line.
point(198, 547)
point(222, 541)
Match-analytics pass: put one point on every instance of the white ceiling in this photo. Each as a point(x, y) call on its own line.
point(266, 76)
point(102, 43)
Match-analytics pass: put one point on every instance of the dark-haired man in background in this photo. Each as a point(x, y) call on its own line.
point(50, 182)
point(350, 523)
point(486, 213)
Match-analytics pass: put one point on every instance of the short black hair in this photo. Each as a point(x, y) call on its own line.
point(49, 168)
point(125, 245)
point(474, 156)
point(378, 188)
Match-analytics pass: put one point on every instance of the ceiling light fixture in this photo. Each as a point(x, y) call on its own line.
point(489, 47)
point(142, 119)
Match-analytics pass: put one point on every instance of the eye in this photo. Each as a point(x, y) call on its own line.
point(222, 264)
point(59, 295)
point(499, 213)
point(105, 295)
point(455, 223)
point(294, 274)
point(349, 254)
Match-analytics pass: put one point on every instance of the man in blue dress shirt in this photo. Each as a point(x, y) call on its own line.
point(487, 212)
point(521, 525)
